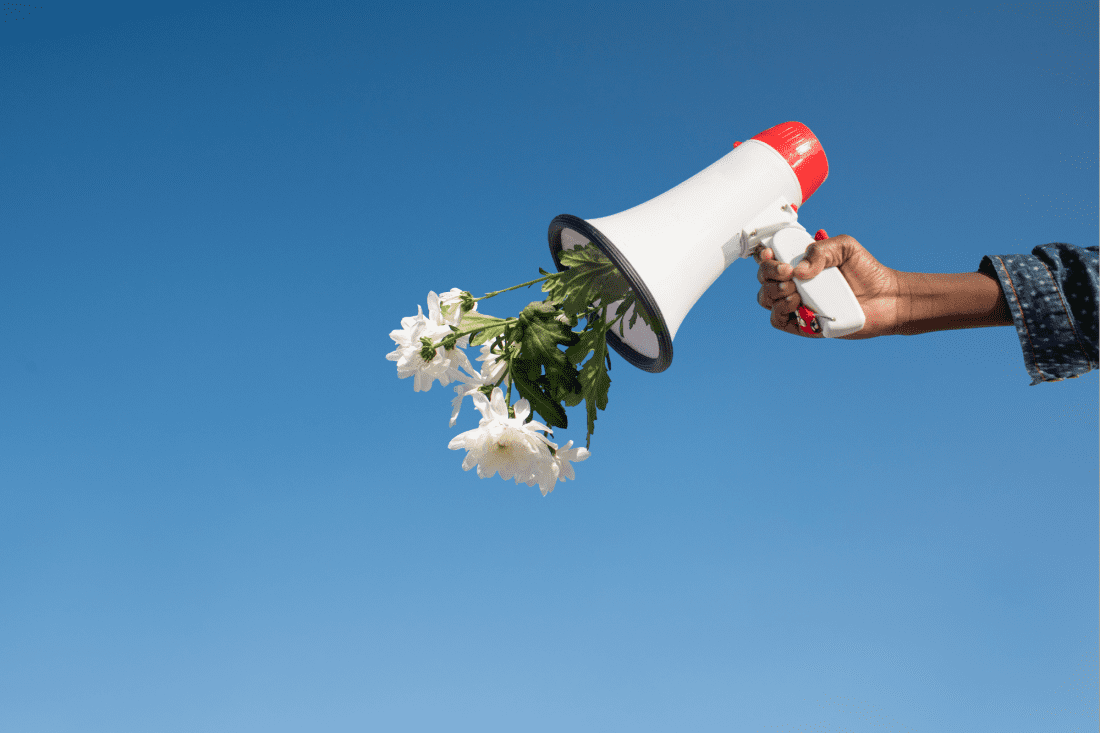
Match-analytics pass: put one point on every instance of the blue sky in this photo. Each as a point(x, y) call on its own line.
point(220, 510)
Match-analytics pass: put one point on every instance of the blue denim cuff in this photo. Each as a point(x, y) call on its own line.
point(1054, 332)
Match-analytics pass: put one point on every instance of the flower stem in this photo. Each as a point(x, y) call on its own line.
point(460, 334)
point(521, 285)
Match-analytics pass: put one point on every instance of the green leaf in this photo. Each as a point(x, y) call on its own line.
point(535, 391)
point(483, 337)
point(586, 254)
point(623, 308)
point(542, 333)
point(576, 289)
point(595, 383)
point(564, 386)
point(612, 286)
point(492, 327)
point(535, 337)
point(640, 310)
point(589, 339)
point(591, 278)
point(476, 320)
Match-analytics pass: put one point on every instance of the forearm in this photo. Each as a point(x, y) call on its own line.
point(933, 302)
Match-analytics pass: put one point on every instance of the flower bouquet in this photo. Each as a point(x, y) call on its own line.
point(538, 352)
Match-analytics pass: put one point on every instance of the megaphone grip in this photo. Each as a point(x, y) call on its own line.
point(828, 294)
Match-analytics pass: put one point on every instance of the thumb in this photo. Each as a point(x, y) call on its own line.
point(819, 256)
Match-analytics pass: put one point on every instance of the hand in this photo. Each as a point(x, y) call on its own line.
point(876, 287)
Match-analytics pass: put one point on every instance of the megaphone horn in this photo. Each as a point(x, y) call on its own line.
point(673, 247)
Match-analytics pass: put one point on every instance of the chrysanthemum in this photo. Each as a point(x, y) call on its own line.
point(450, 304)
point(565, 454)
point(510, 446)
point(492, 368)
point(409, 354)
point(561, 469)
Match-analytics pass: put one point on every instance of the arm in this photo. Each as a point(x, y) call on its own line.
point(944, 302)
point(895, 302)
point(1050, 296)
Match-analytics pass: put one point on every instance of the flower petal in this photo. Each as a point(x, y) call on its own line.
point(499, 406)
point(523, 409)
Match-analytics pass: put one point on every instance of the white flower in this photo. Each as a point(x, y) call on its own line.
point(561, 470)
point(445, 363)
point(444, 316)
point(491, 369)
point(507, 445)
point(451, 306)
point(565, 454)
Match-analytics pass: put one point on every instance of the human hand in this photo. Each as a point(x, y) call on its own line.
point(876, 287)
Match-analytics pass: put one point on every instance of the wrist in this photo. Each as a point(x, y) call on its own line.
point(940, 302)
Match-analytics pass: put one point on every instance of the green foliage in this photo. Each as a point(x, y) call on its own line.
point(593, 280)
point(539, 332)
point(535, 387)
point(594, 379)
point(604, 279)
point(546, 376)
point(590, 279)
point(541, 372)
point(490, 327)
point(551, 365)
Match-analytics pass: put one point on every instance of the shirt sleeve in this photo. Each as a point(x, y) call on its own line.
point(1052, 295)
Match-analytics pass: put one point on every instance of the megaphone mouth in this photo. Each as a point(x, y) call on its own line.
point(656, 341)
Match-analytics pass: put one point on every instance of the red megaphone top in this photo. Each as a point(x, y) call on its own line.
point(802, 151)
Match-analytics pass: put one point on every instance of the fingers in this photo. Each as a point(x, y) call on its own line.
point(822, 254)
point(779, 295)
point(772, 292)
point(772, 270)
point(784, 315)
point(784, 305)
point(813, 262)
point(763, 254)
point(775, 278)
point(788, 314)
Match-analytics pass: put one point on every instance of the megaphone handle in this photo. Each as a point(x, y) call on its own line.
point(828, 296)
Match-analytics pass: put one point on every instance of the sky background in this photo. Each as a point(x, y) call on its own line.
point(220, 510)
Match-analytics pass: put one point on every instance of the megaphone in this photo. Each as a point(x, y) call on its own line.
point(673, 247)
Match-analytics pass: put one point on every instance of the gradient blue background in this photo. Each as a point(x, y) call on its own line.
point(220, 510)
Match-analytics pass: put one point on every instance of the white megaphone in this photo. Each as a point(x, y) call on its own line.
point(673, 247)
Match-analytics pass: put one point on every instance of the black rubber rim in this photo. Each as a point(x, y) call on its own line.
point(664, 343)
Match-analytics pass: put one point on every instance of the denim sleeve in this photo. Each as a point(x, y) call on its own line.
point(1052, 295)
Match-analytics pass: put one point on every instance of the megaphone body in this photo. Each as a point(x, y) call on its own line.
point(673, 247)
